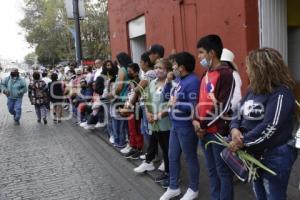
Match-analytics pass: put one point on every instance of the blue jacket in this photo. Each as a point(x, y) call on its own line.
point(186, 94)
point(16, 87)
point(266, 121)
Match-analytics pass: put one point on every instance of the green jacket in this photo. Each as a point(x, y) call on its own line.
point(16, 87)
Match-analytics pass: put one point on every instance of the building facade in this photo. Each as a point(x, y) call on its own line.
point(178, 24)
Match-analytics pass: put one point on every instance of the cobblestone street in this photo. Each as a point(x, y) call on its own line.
point(59, 162)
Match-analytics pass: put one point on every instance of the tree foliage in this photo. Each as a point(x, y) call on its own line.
point(48, 30)
point(30, 58)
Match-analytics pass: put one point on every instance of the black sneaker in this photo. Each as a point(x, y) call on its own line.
point(136, 155)
point(130, 153)
point(163, 176)
point(45, 121)
point(38, 121)
point(165, 183)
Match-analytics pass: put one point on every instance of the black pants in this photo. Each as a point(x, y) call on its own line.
point(161, 137)
point(93, 119)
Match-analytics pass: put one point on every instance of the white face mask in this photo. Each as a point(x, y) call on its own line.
point(205, 63)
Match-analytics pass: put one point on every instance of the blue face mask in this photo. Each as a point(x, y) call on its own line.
point(205, 63)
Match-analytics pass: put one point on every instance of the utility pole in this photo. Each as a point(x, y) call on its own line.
point(77, 32)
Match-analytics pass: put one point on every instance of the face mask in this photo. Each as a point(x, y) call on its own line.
point(205, 63)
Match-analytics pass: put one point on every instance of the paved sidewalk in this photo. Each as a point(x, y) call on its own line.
point(59, 162)
point(66, 162)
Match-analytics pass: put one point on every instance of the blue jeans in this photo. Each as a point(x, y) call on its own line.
point(41, 111)
point(183, 139)
point(109, 126)
point(280, 160)
point(15, 107)
point(144, 123)
point(120, 129)
point(220, 176)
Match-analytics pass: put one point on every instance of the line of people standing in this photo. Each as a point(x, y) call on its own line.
point(163, 103)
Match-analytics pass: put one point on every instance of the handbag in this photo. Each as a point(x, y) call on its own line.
point(236, 165)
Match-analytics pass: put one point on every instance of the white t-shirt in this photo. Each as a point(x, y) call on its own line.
point(89, 77)
point(47, 80)
point(98, 73)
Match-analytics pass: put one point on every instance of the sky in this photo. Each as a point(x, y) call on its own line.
point(12, 37)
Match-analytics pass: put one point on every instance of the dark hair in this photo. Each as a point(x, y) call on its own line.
point(157, 49)
point(114, 69)
point(36, 76)
point(124, 59)
point(72, 71)
point(146, 59)
point(211, 42)
point(99, 85)
point(135, 67)
point(54, 77)
point(44, 74)
point(90, 69)
point(171, 58)
point(186, 59)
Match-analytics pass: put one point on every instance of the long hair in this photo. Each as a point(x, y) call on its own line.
point(124, 59)
point(114, 69)
point(267, 71)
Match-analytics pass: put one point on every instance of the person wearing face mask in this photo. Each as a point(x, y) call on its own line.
point(158, 119)
point(14, 87)
point(136, 141)
point(216, 91)
point(182, 135)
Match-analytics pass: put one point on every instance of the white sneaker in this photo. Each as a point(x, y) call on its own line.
point(170, 193)
point(144, 167)
point(89, 127)
point(162, 166)
point(190, 195)
point(111, 139)
point(126, 149)
point(98, 125)
point(83, 124)
point(143, 157)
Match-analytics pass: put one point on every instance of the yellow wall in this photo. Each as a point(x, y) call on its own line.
point(293, 7)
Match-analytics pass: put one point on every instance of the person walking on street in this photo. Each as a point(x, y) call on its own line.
point(38, 95)
point(14, 87)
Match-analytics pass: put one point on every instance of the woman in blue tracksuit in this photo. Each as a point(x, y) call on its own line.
point(265, 124)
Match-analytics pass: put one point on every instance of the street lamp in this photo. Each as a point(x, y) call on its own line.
point(77, 32)
point(75, 10)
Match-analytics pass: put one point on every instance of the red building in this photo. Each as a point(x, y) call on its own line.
point(178, 24)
